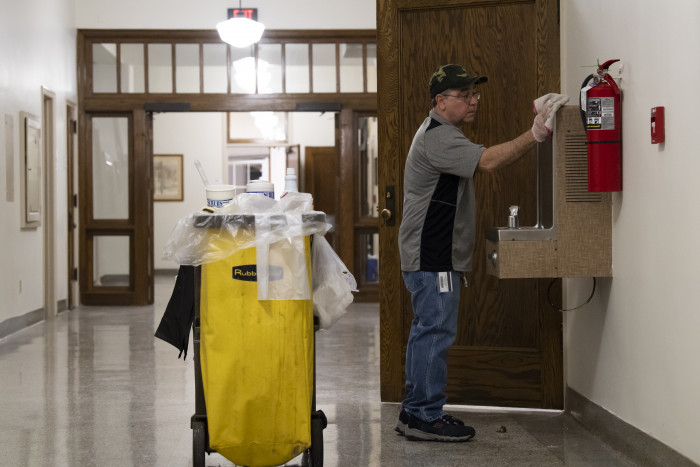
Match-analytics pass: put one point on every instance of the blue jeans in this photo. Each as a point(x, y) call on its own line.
point(433, 331)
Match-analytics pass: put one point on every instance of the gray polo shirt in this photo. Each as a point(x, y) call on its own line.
point(439, 211)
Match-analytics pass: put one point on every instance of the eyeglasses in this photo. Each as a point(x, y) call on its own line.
point(468, 98)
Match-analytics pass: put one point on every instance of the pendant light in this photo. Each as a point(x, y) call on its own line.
point(240, 32)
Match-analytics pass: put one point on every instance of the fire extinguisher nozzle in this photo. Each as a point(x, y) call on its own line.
point(604, 67)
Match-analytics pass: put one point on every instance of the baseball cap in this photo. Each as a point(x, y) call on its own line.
point(452, 77)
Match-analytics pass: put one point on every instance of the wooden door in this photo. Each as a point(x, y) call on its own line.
point(321, 180)
point(342, 180)
point(509, 345)
point(116, 219)
point(365, 215)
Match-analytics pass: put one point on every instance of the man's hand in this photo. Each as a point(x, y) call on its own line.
point(539, 129)
point(546, 108)
point(557, 100)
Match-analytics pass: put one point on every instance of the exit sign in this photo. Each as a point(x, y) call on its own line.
point(250, 13)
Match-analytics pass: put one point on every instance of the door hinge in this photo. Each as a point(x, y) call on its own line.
point(75, 274)
point(74, 126)
point(75, 200)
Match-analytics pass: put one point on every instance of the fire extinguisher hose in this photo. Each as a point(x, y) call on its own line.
point(583, 111)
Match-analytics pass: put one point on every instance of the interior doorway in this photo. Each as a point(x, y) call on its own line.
point(309, 145)
point(134, 75)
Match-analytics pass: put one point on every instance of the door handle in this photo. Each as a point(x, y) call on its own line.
point(389, 206)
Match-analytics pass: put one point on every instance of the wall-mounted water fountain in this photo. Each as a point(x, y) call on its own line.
point(572, 236)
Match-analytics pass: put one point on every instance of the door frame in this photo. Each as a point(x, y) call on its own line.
point(48, 124)
point(143, 104)
point(71, 200)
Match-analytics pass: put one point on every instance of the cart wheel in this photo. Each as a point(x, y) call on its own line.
point(318, 423)
point(198, 444)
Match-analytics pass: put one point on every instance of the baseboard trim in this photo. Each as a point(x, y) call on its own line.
point(166, 272)
point(17, 323)
point(622, 436)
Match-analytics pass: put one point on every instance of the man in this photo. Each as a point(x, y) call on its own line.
point(436, 238)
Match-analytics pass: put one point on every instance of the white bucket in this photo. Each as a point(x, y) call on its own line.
point(261, 186)
point(219, 196)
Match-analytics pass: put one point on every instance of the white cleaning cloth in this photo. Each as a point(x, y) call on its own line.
point(556, 101)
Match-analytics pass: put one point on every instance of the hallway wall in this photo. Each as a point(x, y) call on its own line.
point(634, 350)
point(37, 48)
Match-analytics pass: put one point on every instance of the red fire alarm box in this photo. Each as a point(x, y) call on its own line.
point(658, 130)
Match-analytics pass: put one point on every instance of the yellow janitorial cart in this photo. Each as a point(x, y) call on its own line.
point(254, 349)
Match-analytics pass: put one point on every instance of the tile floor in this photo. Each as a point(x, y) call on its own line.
point(93, 387)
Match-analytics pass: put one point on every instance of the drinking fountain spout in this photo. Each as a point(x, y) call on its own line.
point(513, 221)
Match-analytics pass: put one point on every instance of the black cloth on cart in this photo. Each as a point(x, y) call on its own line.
point(175, 326)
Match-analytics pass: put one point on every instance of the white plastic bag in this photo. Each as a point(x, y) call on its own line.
point(281, 265)
point(332, 285)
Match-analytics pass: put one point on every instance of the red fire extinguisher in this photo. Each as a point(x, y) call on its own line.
point(601, 112)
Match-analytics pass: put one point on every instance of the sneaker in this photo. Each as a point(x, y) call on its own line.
point(404, 417)
point(445, 429)
point(451, 419)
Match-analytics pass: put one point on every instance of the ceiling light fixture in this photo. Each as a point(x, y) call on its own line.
point(240, 31)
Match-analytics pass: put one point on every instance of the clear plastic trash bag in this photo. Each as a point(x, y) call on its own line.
point(332, 283)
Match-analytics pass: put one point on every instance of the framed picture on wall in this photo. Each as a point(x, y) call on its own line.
point(30, 169)
point(168, 177)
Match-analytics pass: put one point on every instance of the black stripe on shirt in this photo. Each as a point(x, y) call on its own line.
point(433, 124)
point(437, 232)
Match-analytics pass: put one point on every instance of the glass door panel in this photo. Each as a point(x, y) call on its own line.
point(110, 168)
point(243, 77)
point(104, 68)
point(297, 67)
point(160, 68)
point(324, 72)
point(111, 266)
point(187, 68)
point(351, 71)
point(132, 68)
point(367, 263)
point(371, 67)
point(269, 68)
point(215, 68)
point(368, 165)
